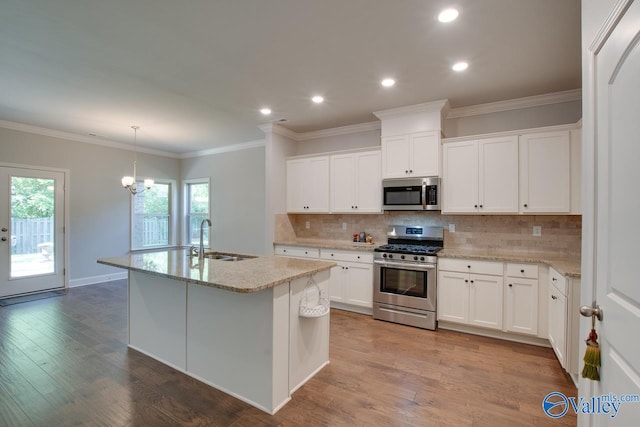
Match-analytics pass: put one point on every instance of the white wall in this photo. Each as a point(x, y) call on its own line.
point(340, 142)
point(99, 214)
point(524, 118)
point(238, 197)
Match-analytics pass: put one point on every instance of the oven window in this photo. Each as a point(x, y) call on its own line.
point(403, 282)
point(403, 196)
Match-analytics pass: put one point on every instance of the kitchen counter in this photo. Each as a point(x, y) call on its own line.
point(330, 244)
point(567, 266)
point(249, 275)
point(252, 342)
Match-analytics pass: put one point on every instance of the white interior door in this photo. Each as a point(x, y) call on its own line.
point(616, 129)
point(32, 256)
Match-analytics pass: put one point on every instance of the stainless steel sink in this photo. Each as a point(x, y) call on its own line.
point(226, 257)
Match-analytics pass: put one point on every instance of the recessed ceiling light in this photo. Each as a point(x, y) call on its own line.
point(388, 82)
point(317, 99)
point(448, 15)
point(266, 111)
point(460, 66)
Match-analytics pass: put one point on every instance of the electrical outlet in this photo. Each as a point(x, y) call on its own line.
point(537, 230)
point(452, 228)
point(344, 225)
point(307, 225)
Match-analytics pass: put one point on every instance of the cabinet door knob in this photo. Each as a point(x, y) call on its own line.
point(480, 205)
point(406, 171)
point(471, 281)
point(4, 229)
point(522, 271)
point(468, 266)
point(4, 239)
point(466, 281)
point(475, 206)
point(553, 296)
point(510, 285)
point(553, 279)
point(525, 205)
point(410, 170)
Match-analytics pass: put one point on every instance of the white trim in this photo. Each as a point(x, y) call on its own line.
point(516, 104)
point(494, 333)
point(81, 138)
point(555, 128)
point(226, 149)
point(342, 130)
point(173, 216)
point(333, 153)
point(94, 280)
point(185, 203)
point(428, 107)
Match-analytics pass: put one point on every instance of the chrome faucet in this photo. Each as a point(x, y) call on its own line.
point(201, 250)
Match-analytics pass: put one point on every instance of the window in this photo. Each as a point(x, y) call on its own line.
point(196, 209)
point(152, 217)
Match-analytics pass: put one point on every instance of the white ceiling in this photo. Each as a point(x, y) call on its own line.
point(194, 74)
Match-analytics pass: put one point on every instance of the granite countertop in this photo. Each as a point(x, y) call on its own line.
point(249, 275)
point(330, 244)
point(565, 265)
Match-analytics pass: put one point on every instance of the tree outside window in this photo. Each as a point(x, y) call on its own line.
point(197, 209)
point(151, 217)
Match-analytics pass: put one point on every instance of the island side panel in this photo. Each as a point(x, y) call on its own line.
point(157, 318)
point(309, 337)
point(230, 343)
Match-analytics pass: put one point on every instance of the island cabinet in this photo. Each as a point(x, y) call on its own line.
point(308, 185)
point(564, 319)
point(234, 325)
point(545, 172)
point(355, 182)
point(351, 281)
point(470, 292)
point(415, 154)
point(481, 176)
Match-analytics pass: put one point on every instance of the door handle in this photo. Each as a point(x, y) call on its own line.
point(4, 229)
point(593, 311)
point(4, 239)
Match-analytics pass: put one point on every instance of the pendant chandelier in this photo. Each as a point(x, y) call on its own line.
point(129, 182)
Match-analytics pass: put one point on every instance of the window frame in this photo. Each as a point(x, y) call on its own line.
point(186, 241)
point(172, 216)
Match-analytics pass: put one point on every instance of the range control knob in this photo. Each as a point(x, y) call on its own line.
point(415, 258)
point(421, 258)
point(384, 255)
point(401, 256)
point(390, 255)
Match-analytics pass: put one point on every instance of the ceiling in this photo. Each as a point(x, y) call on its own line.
point(194, 75)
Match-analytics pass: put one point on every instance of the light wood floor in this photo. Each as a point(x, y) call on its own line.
point(64, 361)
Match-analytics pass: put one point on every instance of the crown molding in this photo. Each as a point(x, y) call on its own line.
point(554, 128)
point(81, 138)
point(516, 104)
point(428, 107)
point(342, 130)
point(225, 149)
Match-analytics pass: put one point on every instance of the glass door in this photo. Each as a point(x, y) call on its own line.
point(31, 230)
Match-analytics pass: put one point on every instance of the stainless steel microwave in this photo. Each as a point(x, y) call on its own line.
point(411, 194)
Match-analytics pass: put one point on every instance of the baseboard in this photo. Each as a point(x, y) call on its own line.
point(494, 334)
point(353, 308)
point(92, 280)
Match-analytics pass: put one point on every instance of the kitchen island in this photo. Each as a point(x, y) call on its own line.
point(232, 324)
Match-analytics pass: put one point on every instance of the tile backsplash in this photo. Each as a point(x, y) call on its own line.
point(560, 233)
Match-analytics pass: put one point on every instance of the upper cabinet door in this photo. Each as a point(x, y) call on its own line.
point(317, 188)
point(368, 182)
point(395, 156)
point(424, 154)
point(545, 172)
point(498, 175)
point(296, 177)
point(343, 183)
point(460, 177)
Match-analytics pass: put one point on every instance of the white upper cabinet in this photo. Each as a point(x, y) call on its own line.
point(481, 176)
point(355, 183)
point(545, 172)
point(412, 155)
point(308, 185)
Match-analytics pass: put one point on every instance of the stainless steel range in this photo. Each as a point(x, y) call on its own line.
point(405, 276)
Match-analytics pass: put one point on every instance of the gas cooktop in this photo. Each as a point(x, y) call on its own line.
point(398, 248)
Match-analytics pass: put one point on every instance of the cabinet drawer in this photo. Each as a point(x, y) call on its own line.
point(471, 266)
point(528, 271)
point(347, 256)
point(558, 280)
point(297, 251)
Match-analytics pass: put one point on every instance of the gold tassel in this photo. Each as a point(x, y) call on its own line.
point(592, 358)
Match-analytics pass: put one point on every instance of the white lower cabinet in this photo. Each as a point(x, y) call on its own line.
point(471, 298)
point(351, 280)
point(521, 298)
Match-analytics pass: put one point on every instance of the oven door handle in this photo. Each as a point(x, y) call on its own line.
point(402, 266)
